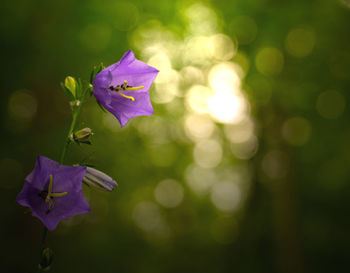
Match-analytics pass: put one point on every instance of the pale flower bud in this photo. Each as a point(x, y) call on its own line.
point(82, 136)
point(98, 179)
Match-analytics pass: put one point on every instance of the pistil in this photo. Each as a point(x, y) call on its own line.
point(50, 195)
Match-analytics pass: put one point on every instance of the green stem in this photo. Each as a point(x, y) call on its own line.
point(75, 114)
point(42, 246)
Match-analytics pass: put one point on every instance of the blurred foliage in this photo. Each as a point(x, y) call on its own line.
point(254, 178)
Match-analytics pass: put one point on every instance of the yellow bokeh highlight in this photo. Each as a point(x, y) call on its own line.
point(300, 41)
point(296, 131)
point(269, 61)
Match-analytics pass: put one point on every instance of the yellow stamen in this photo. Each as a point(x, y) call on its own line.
point(58, 194)
point(133, 88)
point(125, 96)
point(52, 194)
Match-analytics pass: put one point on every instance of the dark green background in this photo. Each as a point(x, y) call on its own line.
point(297, 222)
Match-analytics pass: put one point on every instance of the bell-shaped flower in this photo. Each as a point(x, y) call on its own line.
point(54, 192)
point(98, 179)
point(122, 88)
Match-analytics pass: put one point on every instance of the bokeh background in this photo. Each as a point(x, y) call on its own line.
point(244, 167)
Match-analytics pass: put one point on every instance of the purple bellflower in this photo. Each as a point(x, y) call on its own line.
point(54, 192)
point(122, 88)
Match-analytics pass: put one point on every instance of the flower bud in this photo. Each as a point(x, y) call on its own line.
point(71, 85)
point(82, 136)
point(98, 179)
point(46, 259)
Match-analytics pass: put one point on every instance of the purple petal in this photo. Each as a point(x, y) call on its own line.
point(137, 74)
point(124, 109)
point(65, 179)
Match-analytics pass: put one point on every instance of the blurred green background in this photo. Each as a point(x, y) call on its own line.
point(244, 167)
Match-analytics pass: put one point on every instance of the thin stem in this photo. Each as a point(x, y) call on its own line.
point(42, 246)
point(72, 126)
point(76, 112)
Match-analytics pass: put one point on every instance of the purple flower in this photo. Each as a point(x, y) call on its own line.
point(122, 88)
point(54, 192)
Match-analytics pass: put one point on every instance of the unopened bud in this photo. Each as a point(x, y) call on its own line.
point(82, 136)
point(46, 259)
point(71, 85)
point(98, 179)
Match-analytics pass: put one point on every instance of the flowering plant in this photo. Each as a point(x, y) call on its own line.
point(122, 88)
point(53, 191)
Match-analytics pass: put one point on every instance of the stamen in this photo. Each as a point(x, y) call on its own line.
point(125, 96)
point(51, 194)
point(125, 87)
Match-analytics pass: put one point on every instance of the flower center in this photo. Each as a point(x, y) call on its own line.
point(125, 87)
point(50, 195)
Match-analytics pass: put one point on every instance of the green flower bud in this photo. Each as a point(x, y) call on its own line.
point(82, 136)
point(71, 85)
point(46, 259)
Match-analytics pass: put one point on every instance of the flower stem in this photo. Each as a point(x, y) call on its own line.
point(75, 115)
point(72, 126)
point(42, 246)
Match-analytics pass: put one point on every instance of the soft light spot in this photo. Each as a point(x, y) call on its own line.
point(244, 28)
point(169, 193)
point(224, 77)
point(192, 75)
point(208, 153)
point(198, 126)
point(275, 164)
point(296, 131)
point(221, 47)
point(269, 61)
point(200, 179)
point(166, 88)
point(227, 107)
point(197, 50)
point(147, 216)
point(331, 104)
point(226, 196)
point(346, 3)
point(162, 62)
point(300, 41)
point(246, 149)
point(242, 60)
point(202, 19)
point(22, 105)
point(240, 132)
point(197, 99)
